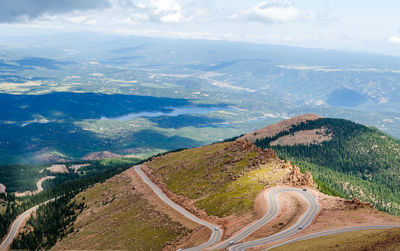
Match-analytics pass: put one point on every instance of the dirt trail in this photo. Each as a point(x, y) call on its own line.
point(38, 185)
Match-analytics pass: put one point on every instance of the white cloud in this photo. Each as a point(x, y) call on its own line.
point(163, 11)
point(275, 11)
point(25, 10)
point(125, 12)
point(394, 40)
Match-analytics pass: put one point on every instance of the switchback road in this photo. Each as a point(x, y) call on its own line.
point(273, 209)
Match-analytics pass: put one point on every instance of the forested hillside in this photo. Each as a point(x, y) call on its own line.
point(63, 184)
point(353, 160)
point(50, 222)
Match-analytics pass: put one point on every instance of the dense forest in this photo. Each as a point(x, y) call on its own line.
point(62, 185)
point(51, 222)
point(358, 161)
point(11, 211)
point(21, 177)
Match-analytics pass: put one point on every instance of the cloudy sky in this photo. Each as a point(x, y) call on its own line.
point(361, 25)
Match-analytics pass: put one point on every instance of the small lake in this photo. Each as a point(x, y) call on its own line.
point(171, 111)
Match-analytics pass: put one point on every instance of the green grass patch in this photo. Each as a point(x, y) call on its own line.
point(223, 178)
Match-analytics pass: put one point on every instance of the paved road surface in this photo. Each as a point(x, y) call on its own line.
point(216, 231)
point(18, 222)
point(331, 232)
point(273, 209)
point(14, 228)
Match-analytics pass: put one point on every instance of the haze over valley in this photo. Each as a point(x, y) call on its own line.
point(183, 125)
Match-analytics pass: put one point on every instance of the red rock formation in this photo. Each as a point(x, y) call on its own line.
point(296, 178)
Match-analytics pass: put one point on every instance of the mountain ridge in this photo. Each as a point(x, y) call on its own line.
point(224, 183)
point(355, 160)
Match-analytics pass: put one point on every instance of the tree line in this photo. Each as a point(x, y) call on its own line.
point(358, 161)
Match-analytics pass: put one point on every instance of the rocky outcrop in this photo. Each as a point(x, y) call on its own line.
point(269, 153)
point(356, 203)
point(101, 155)
point(296, 178)
point(263, 156)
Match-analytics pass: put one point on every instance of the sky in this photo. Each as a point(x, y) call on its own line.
point(355, 25)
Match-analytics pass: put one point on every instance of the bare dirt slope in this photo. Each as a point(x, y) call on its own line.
point(124, 214)
point(58, 169)
point(75, 168)
point(305, 137)
point(284, 125)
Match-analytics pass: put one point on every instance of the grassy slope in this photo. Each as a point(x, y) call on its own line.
point(217, 176)
point(360, 240)
point(117, 217)
point(358, 162)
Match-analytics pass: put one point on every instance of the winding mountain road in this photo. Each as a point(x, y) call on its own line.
point(216, 232)
point(38, 185)
point(332, 232)
point(232, 243)
point(273, 209)
point(16, 225)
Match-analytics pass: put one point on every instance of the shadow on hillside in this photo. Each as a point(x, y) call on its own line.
point(69, 105)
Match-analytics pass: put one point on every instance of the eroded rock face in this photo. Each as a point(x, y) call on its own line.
point(296, 178)
point(263, 155)
point(269, 153)
point(356, 203)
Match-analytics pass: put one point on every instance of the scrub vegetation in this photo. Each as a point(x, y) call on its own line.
point(117, 217)
point(224, 178)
